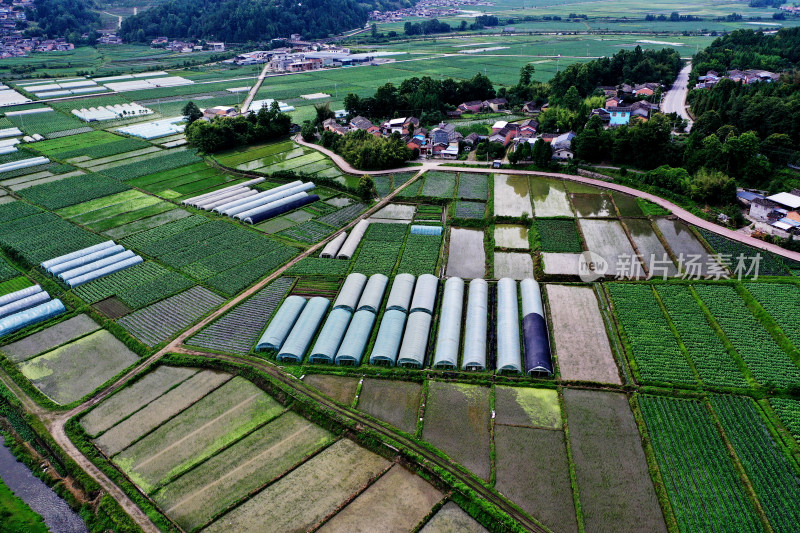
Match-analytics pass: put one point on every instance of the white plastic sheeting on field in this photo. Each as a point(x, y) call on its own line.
point(23, 163)
point(201, 199)
point(425, 294)
point(508, 345)
point(157, 128)
point(83, 266)
point(85, 259)
point(111, 112)
point(294, 348)
point(137, 84)
point(475, 327)
point(281, 324)
point(330, 338)
point(10, 97)
point(426, 230)
point(415, 340)
point(256, 105)
point(31, 316)
point(47, 265)
point(104, 271)
point(355, 340)
point(449, 333)
point(350, 292)
point(96, 264)
point(390, 335)
point(350, 245)
point(10, 132)
point(277, 207)
point(332, 248)
point(373, 293)
point(400, 295)
point(20, 294)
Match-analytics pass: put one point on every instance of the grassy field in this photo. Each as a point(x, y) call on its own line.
point(16, 516)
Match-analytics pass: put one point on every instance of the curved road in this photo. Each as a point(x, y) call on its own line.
point(675, 99)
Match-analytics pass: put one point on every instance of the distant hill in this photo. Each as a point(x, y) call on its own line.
point(251, 20)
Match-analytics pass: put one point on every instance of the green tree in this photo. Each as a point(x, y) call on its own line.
point(713, 187)
point(526, 74)
point(542, 153)
point(366, 187)
point(322, 113)
point(192, 112)
point(308, 132)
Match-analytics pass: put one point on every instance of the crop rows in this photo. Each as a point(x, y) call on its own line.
point(234, 280)
point(439, 185)
point(421, 254)
point(71, 191)
point(188, 237)
point(162, 232)
point(652, 343)
point(137, 286)
point(308, 232)
point(713, 362)
point(343, 216)
point(43, 236)
point(428, 212)
point(158, 322)
point(238, 330)
point(383, 184)
point(473, 187)
point(782, 302)
point(774, 480)
point(7, 271)
point(788, 410)
point(770, 264)
point(46, 123)
point(316, 266)
point(703, 486)
point(96, 151)
point(766, 360)
point(386, 232)
point(559, 235)
point(169, 160)
point(465, 209)
point(376, 257)
point(16, 210)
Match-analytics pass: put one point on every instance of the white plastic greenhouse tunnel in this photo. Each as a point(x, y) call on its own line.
point(373, 293)
point(390, 335)
point(508, 345)
point(476, 325)
point(234, 207)
point(449, 333)
point(425, 294)
point(402, 290)
point(350, 292)
point(93, 262)
point(294, 348)
point(281, 324)
point(538, 357)
point(415, 340)
point(257, 202)
point(330, 338)
point(332, 248)
point(31, 316)
point(355, 340)
point(350, 245)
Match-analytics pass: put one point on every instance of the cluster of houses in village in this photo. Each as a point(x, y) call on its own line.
point(618, 112)
point(426, 9)
point(12, 41)
point(778, 214)
point(712, 77)
point(304, 57)
point(185, 47)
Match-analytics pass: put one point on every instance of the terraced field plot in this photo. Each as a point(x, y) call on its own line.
point(655, 256)
point(198, 432)
point(512, 196)
point(466, 254)
point(395, 402)
point(513, 265)
point(50, 338)
point(451, 518)
point(549, 198)
point(696, 259)
point(526, 406)
point(582, 346)
point(456, 420)
point(607, 239)
point(309, 493)
point(73, 370)
point(511, 236)
point(593, 205)
point(613, 481)
point(340, 388)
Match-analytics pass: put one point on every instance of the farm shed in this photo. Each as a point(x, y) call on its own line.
point(373, 293)
point(281, 324)
point(22, 304)
point(234, 207)
point(355, 340)
point(330, 338)
point(415, 340)
point(20, 294)
point(34, 315)
point(400, 295)
point(538, 358)
point(350, 245)
point(390, 334)
point(425, 294)
point(74, 255)
point(332, 248)
point(104, 271)
point(449, 335)
point(508, 346)
point(350, 292)
point(304, 329)
point(475, 328)
point(86, 259)
point(426, 230)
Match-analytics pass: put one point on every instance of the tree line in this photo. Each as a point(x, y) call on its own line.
point(219, 134)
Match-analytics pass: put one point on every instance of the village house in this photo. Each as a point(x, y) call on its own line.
point(619, 116)
point(496, 104)
point(473, 106)
point(403, 125)
point(531, 108)
point(219, 111)
point(361, 123)
point(335, 127)
point(562, 146)
point(528, 128)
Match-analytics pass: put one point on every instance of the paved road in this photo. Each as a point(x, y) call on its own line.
point(675, 99)
point(254, 90)
point(678, 211)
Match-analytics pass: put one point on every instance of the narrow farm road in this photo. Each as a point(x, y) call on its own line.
point(255, 88)
point(678, 211)
point(675, 99)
